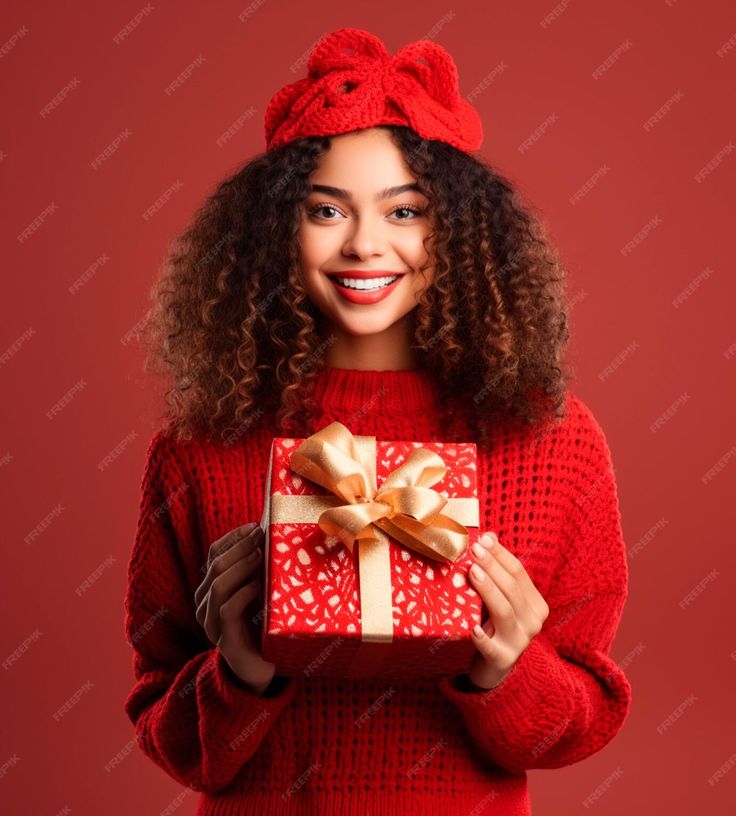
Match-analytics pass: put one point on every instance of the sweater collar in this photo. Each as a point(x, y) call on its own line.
point(384, 391)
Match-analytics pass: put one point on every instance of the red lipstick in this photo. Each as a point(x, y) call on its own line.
point(365, 296)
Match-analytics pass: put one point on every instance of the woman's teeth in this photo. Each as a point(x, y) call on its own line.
point(367, 283)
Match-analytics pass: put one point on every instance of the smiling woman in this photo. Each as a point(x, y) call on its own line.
point(266, 287)
point(369, 269)
point(363, 256)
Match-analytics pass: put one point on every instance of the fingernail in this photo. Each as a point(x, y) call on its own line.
point(488, 539)
point(478, 551)
point(478, 573)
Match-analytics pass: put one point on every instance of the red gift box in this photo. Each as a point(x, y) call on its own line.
point(363, 581)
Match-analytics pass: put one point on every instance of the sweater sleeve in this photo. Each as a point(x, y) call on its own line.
point(192, 716)
point(565, 698)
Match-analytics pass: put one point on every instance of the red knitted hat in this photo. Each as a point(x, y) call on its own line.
point(352, 82)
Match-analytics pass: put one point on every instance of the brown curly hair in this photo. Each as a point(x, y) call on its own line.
point(235, 336)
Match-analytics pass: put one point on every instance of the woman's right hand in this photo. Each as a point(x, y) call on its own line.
point(232, 582)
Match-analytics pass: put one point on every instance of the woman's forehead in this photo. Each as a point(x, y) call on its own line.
point(365, 159)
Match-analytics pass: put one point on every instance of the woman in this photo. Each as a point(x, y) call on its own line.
point(269, 321)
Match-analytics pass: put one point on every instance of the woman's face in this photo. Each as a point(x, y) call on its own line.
point(353, 222)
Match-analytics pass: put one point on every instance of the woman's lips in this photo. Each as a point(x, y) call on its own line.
point(364, 295)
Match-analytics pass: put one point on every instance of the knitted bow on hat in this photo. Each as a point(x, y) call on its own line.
point(352, 82)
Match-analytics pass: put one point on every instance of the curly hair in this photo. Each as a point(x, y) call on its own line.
point(236, 338)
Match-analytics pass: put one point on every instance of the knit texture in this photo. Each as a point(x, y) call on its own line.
point(352, 82)
point(323, 746)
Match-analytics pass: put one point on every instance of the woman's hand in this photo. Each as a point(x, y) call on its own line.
point(232, 582)
point(517, 611)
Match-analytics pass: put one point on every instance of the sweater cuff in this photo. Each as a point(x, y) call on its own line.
point(220, 683)
point(537, 680)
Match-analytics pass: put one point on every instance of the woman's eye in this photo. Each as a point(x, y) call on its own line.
point(319, 207)
point(412, 211)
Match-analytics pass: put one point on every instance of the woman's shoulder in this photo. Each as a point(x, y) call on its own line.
point(173, 456)
point(573, 443)
point(580, 417)
point(203, 455)
point(167, 448)
point(576, 425)
point(584, 429)
point(584, 458)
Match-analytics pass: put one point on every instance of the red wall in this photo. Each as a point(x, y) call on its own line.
point(646, 144)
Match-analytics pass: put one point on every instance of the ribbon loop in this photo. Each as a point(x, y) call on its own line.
point(331, 459)
point(405, 507)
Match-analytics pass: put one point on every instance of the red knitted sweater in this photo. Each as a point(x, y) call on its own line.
point(427, 746)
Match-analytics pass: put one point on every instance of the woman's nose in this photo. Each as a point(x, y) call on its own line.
point(365, 238)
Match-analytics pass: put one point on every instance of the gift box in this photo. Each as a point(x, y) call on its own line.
point(367, 553)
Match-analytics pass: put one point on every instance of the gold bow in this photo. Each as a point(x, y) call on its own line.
point(405, 508)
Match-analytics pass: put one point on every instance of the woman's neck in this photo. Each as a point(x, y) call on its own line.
point(388, 350)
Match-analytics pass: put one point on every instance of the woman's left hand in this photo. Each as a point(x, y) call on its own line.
point(516, 611)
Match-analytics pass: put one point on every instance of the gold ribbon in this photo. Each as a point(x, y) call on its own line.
point(405, 508)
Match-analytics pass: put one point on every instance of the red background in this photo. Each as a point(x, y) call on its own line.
point(676, 518)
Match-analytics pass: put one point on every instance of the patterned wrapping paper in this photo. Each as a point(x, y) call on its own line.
point(313, 621)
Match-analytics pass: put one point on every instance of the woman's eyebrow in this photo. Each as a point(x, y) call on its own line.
point(389, 192)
